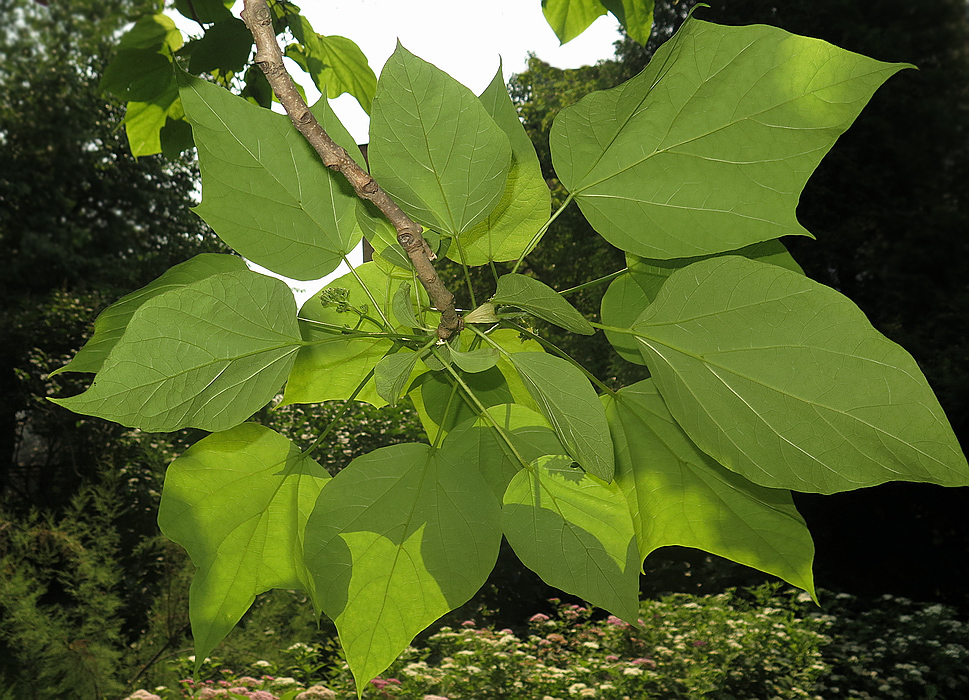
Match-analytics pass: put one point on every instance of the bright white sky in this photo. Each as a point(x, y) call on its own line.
point(463, 39)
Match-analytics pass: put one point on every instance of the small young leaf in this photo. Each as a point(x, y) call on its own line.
point(485, 313)
point(111, 323)
point(474, 360)
point(404, 308)
point(336, 64)
point(708, 148)
point(541, 300)
point(392, 374)
point(401, 536)
point(434, 147)
point(569, 18)
point(566, 398)
point(207, 355)
point(576, 532)
point(238, 502)
point(636, 17)
point(785, 381)
point(680, 496)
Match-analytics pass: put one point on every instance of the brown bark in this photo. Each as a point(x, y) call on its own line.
point(269, 58)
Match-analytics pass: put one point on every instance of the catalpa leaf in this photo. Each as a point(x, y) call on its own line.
point(111, 323)
point(434, 147)
point(401, 536)
point(632, 292)
point(568, 401)
point(636, 17)
point(569, 18)
point(541, 300)
point(392, 374)
point(576, 532)
point(207, 355)
point(513, 225)
point(680, 496)
point(336, 64)
point(477, 360)
point(708, 149)
point(785, 382)
point(224, 47)
point(238, 502)
point(265, 191)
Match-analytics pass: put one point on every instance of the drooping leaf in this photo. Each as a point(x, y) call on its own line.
point(404, 307)
point(477, 360)
point(204, 11)
point(111, 323)
point(206, 355)
point(526, 203)
point(335, 63)
point(569, 18)
point(680, 496)
point(434, 147)
point(630, 293)
point(392, 374)
point(537, 298)
point(145, 121)
point(708, 148)
point(155, 32)
point(138, 75)
point(265, 191)
point(784, 381)
point(568, 401)
point(225, 47)
point(636, 17)
point(576, 532)
point(332, 364)
point(398, 538)
point(238, 502)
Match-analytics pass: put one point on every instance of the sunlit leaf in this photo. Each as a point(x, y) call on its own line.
point(238, 502)
point(785, 381)
point(576, 532)
point(206, 355)
point(392, 375)
point(680, 496)
point(636, 17)
point(541, 300)
point(434, 147)
point(398, 538)
point(569, 18)
point(111, 323)
point(336, 64)
point(708, 148)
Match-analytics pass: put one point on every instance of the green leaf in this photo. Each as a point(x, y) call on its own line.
point(238, 502)
point(524, 207)
point(576, 532)
point(155, 32)
point(636, 17)
point(629, 294)
point(138, 75)
point(207, 355)
point(680, 496)
point(434, 147)
point(479, 443)
point(404, 307)
point(474, 360)
point(540, 300)
point(331, 364)
point(392, 373)
point(570, 404)
point(145, 121)
point(398, 538)
point(569, 18)
point(265, 191)
point(708, 148)
point(204, 11)
point(335, 63)
point(111, 323)
point(224, 47)
point(784, 381)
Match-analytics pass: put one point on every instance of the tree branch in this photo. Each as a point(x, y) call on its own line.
point(269, 58)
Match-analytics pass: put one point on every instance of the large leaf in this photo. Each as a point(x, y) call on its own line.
point(111, 323)
point(636, 17)
point(784, 381)
point(526, 203)
point(537, 298)
point(576, 532)
point(568, 401)
point(708, 148)
point(224, 47)
point(332, 364)
point(207, 355)
point(398, 538)
point(265, 191)
point(569, 18)
point(434, 147)
point(632, 292)
point(238, 501)
point(680, 496)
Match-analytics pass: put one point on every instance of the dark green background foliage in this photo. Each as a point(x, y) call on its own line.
point(83, 572)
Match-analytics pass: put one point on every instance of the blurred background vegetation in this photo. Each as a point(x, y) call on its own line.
point(91, 595)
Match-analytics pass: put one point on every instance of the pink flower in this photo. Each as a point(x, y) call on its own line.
point(616, 622)
point(645, 661)
point(468, 623)
point(700, 643)
point(612, 657)
point(378, 683)
point(539, 617)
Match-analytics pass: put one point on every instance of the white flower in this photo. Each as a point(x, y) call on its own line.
point(299, 646)
point(285, 680)
point(632, 672)
point(262, 663)
point(576, 688)
point(590, 645)
point(473, 669)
